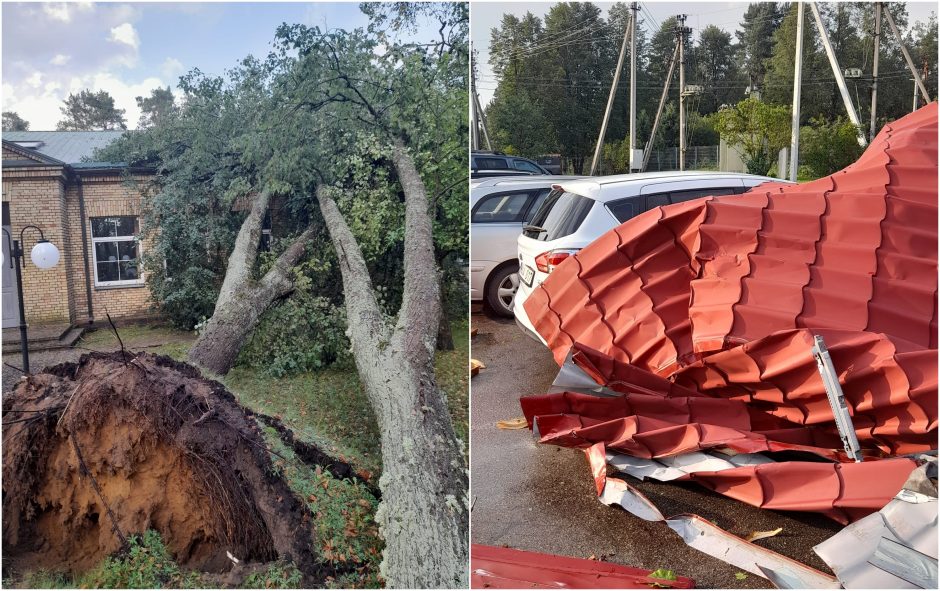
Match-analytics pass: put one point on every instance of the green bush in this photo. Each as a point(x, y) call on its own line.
point(146, 564)
point(302, 333)
point(828, 147)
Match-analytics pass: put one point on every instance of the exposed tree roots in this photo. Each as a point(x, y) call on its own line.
point(97, 450)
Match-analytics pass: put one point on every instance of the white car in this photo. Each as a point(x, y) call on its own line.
point(577, 212)
point(499, 206)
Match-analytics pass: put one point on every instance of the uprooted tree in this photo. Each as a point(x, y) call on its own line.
point(365, 136)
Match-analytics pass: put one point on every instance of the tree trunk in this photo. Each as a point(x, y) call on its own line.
point(424, 511)
point(242, 300)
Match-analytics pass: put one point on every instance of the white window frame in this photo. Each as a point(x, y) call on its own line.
point(94, 254)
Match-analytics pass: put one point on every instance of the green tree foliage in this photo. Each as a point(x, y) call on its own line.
point(827, 147)
point(156, 107)
point(756, 39)
point(13, 122)
point(758, 130)
point(280, 123)
point(543, 104)
point(91, 111)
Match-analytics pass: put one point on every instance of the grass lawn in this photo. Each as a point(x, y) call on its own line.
point(330, 408)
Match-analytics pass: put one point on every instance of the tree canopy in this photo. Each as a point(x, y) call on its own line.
point(156, 107)
point(552, 73)
point(91, 111)
point(13, 122)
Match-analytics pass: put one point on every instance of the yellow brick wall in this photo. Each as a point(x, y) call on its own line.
point(43, 197)
point(104, 196)
point(36, 196)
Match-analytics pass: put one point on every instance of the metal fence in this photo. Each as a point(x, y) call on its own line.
point(696, 158)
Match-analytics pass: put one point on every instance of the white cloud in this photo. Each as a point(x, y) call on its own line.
point(171, 68)
point(60, 59)
point(57, 11)
point(125, 33)
point(35, 80)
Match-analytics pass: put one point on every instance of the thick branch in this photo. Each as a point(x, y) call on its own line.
point(242, 259)
point(278, 276)
point(421, 305)
point(365, 319)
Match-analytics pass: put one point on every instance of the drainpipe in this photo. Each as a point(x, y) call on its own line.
point(81, 213)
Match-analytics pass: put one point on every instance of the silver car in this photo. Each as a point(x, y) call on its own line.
point(498, 209)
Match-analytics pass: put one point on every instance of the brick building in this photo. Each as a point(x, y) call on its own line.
point(90, 212)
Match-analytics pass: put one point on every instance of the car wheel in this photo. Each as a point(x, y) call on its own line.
point(501, 291)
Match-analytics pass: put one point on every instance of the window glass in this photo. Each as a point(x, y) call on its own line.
point(115, 249)
point(656, 200)
point(623, 210)
point(526, 165)
point(536, 204)
point(505, 207)
point(484, 163)
point(560, 216)
point(113, 226)
point(680, 196)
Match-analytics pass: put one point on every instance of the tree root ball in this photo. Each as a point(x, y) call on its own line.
point(117, 444)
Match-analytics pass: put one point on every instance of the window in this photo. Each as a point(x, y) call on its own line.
point(116, 252)
point(536, 204)
point(526, 166)
point(623, 210)
point(656, 200)
point(265, 244)
point(680, 196)
point(502, 207)
point(483, 163)
point(560, 216)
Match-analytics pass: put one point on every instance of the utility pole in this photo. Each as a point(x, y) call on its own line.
point(610, 101)
point(482, 119)
point(907, 56)
point(874, 72)
point(659, 110)
point(682, 31)
point(476, 112)
point(635, 6)
point(837, 71)
point(797, 83)
point(914, 108)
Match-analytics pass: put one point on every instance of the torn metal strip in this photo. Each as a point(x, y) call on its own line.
point(703, 535)
point(895, 548)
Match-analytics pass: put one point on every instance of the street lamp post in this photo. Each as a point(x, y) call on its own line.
point(45, 256)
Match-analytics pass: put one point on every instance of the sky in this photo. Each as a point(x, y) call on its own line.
point(484, 16)
point(128, 49)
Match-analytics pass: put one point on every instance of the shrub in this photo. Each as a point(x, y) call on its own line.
point(828, 147)
point(302, 333)
point(278, 575)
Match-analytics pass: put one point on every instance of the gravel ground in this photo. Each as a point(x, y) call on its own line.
point(542, 498)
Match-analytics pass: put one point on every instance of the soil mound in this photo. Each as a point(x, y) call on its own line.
point(97, 450)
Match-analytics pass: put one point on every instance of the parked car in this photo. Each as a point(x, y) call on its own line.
point(579, 211)
point(498, 209)
point(498, 161)
point(505, 172)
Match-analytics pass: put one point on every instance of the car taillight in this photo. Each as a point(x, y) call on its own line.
point(547, 261)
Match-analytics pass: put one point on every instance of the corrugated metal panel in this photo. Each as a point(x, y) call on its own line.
point(68, 146)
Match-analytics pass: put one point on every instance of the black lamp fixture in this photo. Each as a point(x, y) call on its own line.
point(44, 255)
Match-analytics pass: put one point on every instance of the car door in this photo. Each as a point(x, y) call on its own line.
point(496, 222)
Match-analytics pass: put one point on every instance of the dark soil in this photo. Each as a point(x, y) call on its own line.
point(97, 450)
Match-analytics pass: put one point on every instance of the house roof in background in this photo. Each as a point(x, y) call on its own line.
point(67, 146)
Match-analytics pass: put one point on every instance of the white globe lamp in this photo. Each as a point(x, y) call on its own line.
point(45, 255)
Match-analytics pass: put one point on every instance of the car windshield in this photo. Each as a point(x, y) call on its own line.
point(560, 215)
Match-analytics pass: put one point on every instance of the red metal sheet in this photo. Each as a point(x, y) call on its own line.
point(854, 251)
point(507, 568)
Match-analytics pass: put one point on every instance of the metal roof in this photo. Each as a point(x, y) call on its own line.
point(68, 146)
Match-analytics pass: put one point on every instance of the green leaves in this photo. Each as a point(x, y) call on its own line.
point(759, 130)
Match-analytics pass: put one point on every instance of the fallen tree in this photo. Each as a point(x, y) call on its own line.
point(243, 299)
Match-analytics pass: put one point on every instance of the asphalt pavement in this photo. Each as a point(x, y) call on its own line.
point(542, 498)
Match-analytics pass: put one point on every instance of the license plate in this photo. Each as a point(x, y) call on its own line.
point(527, 274)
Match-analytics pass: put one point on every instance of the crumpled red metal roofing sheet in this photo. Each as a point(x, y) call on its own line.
point(723, 296)
point(507, 568)
point(853, 251)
